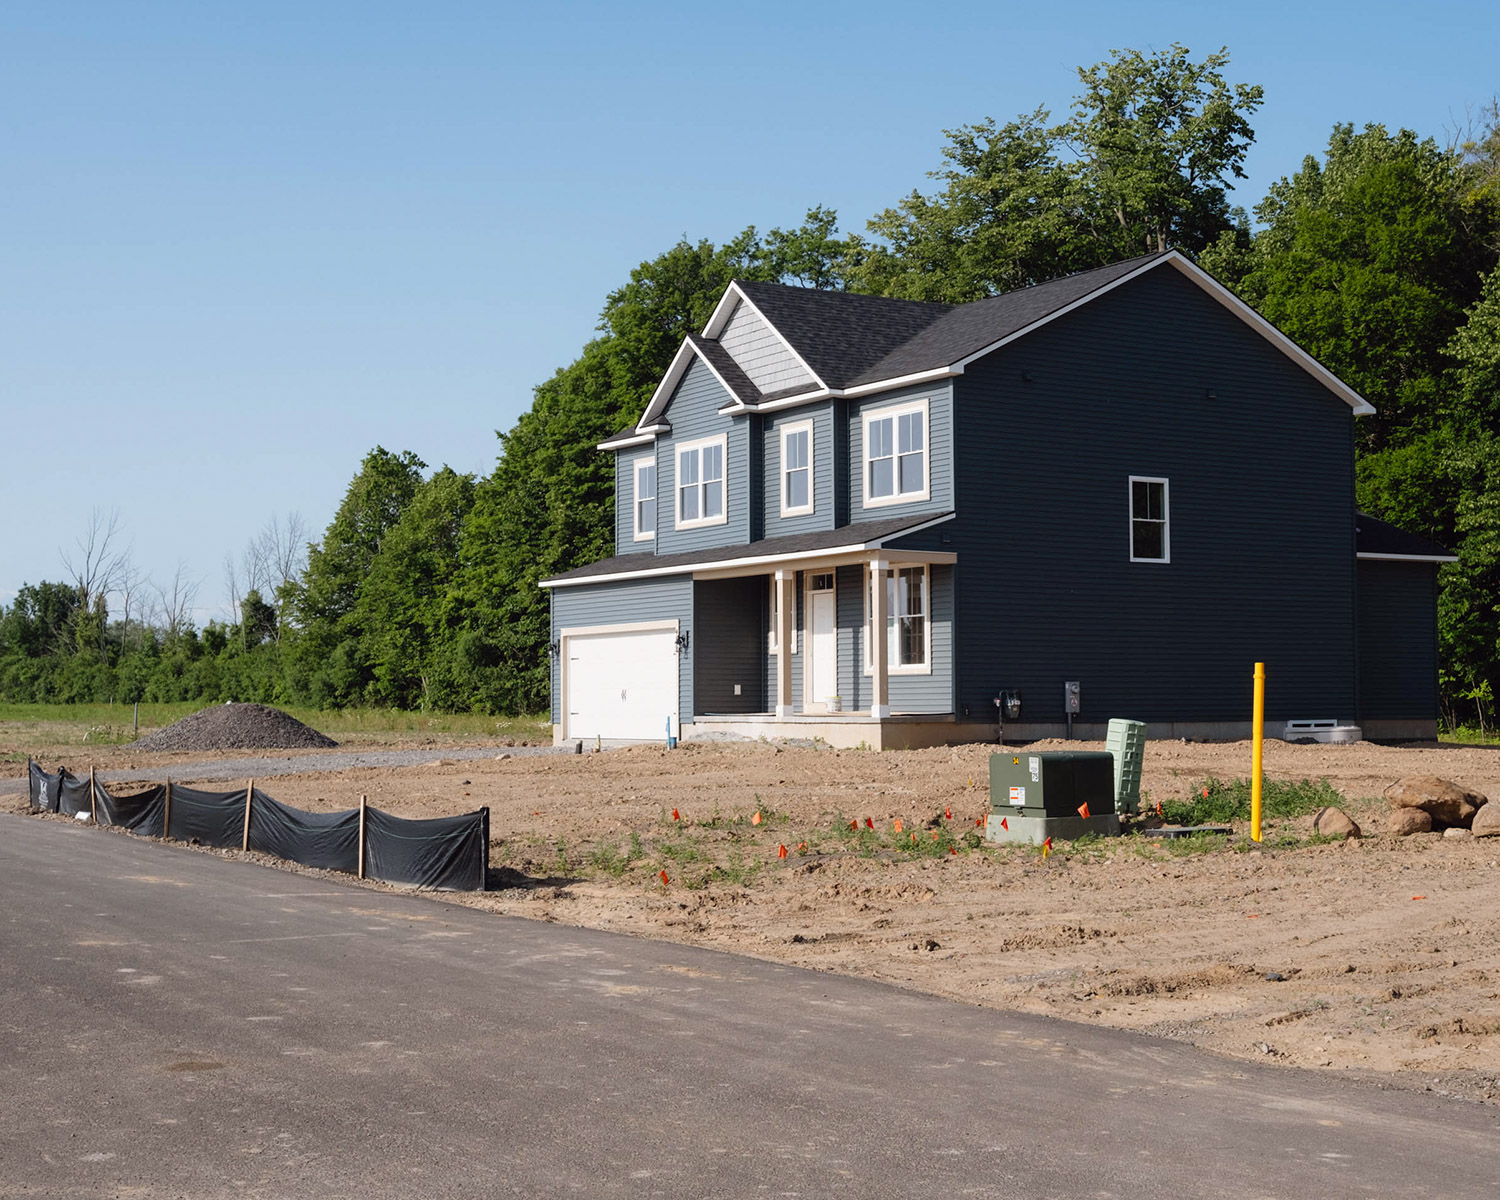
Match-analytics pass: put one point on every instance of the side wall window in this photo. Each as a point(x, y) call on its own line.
point(645, 499)
point(1150, 525)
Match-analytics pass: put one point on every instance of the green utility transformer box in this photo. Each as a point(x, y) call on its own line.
point(1052, 784)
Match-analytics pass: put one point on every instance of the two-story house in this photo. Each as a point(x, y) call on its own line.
point(866, 519)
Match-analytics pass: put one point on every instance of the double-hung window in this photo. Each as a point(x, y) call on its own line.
point(908, 629)
point(645, 499)
point(796, 469)
point(700, 483)
point(1150, 530)
point(896, 460)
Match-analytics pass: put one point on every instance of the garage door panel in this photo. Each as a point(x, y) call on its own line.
point(621, 684)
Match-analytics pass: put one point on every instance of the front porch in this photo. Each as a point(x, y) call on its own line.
point(843, 731)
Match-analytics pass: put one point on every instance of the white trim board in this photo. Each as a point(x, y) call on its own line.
point(733, 566)
point(1427, 558)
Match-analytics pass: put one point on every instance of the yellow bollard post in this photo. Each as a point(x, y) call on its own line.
point(1257, 734)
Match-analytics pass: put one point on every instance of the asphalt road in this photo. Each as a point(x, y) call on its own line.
point(174, 1024)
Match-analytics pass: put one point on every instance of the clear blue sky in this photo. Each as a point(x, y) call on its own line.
point(242, 244)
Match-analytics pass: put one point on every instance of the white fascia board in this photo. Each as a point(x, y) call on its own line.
point(720, 318)
point(624, 443)
point(737, 565)
point(1427, 558)
point(675, 371)
point(1361, 406)
point(864, 389)
point(673, 377)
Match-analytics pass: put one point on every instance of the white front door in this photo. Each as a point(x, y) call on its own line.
point(823, 650)
point(620, 684)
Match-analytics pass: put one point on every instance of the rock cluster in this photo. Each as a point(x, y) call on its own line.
point(1424, 803)
point(236, 727)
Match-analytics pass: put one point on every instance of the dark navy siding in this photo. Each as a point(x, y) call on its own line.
point(694, 413)
point(1155, 379)
point(729, 646)
point(625, 461)
point(1397, 641)
point(666, 599)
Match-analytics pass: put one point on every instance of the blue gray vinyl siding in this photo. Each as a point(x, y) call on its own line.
point(1154, 379)
point(824, 450)
point(625, 461)
point(1397, 640)
point(666, 599)
point(940, 451)
point(729, 647)
point(694, 413)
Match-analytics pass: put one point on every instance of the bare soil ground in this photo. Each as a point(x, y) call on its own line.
point(1388, 950)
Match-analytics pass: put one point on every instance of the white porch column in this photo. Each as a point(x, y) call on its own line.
point(786, 614)
point(880, 706)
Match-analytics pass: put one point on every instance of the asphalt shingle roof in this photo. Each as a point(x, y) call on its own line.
point(859, 533)
point(851, 339)
point(1372, 536)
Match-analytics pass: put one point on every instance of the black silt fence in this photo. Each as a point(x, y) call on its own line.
point(442, 853)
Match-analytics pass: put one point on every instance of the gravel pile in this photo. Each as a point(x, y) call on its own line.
point(236, 727)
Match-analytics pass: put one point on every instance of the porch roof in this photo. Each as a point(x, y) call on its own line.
point(846, 539)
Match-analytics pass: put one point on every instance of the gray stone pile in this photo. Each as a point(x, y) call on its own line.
point(236, 727)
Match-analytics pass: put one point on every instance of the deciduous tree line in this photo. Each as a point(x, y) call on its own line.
point(1379, 257)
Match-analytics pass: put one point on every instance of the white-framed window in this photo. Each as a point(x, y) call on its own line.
point(908, 623)
point(774, 644)
point(645, 499)
point(700, 483)
point(896, 455)
point(1150, 525)
point(796, 469)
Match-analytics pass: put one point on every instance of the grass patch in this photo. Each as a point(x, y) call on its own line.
point(35, 728)
point(1220, 801)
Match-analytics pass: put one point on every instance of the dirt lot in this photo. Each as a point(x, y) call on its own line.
point(1387, 950)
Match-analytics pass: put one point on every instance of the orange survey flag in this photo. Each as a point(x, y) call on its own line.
point(755, 820)
point(1005, 823)
point(664, 879)
point(869, 824)
point(898, 824)
point(1083, 810)
point(1046, 847)
point(675, 817)
point(780, 851)
point(948, 812)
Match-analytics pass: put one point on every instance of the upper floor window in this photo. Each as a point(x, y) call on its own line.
point(796, 469)
point(896, 454)
point(700, 483)
point(645, 498)
point(1150, 531)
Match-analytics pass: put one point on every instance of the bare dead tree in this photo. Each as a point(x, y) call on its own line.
point(98, 559)
point(175, 601)
point(130, 585)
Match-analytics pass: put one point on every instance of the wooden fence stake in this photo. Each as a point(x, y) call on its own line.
point(361, 837)
point(93, 797)
point(249, 791)
point(166, 812)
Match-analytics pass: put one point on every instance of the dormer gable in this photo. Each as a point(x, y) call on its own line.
point(761, 353)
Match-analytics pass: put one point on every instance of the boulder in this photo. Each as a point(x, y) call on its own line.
point(1456, 833)
point(1407, 821)
point(1486, 821)
point(1335, 822)
point(1443, 800)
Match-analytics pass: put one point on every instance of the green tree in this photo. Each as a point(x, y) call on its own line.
point(1143, 164)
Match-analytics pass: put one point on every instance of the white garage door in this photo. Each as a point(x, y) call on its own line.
point(622, 684)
